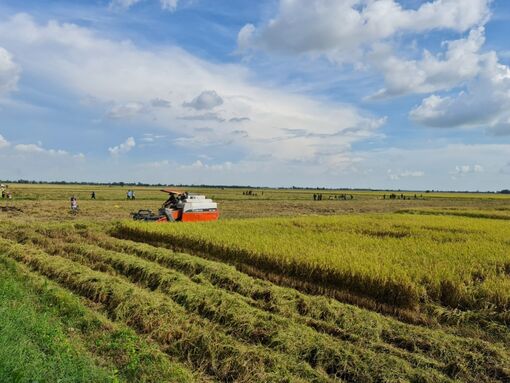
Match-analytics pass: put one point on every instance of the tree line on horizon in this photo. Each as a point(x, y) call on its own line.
point(144, 184)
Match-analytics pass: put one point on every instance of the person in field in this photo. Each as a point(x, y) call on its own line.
point(93, 195)
point(74, 204)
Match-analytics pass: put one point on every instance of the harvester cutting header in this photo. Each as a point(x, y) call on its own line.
point(182, 206)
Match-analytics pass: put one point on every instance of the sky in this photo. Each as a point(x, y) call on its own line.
point(391, 94)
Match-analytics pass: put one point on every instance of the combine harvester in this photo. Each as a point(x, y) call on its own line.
point(182, 206)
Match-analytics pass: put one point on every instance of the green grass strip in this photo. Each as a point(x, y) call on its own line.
point(116, 348)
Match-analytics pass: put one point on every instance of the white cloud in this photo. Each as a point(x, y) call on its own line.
point(339, 28)
point(9, 72)
point(29, 148)
point(206, 100)
point(366, 33)
point(461, 62)
point(3, 142)
point(485, 103)
point(126, 73)
point(33, 161)
point(36, 148)
point(123, 148)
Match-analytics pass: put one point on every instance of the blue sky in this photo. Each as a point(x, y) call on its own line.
point(408, 94)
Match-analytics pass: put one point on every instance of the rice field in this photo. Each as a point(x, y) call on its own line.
point(221, 325)
point(400, 293)
point(399, 260)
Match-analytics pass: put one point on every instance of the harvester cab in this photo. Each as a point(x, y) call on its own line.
point(181, 206)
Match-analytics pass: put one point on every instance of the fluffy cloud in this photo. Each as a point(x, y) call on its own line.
point(337, 28)
point(36, 148)
point(9, 72)
point(460, 63)
point(33, 161)
point(126, 73)
point(485, 103)
point(123, 148)
point(206, 100)
point(367, 34)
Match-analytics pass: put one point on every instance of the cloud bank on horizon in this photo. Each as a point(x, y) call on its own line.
point(354, 93)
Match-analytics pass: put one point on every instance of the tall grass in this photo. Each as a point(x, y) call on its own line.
point(320, 312)
point(398, 260)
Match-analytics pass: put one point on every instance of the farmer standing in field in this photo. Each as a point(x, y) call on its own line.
point(74, 204)
point(93, 195)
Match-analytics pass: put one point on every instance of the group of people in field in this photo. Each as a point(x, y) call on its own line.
point(74, 201)
point(402, 196)
point(345, 197)
point(251, 193)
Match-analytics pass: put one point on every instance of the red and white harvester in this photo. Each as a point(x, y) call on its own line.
point(182, 206)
